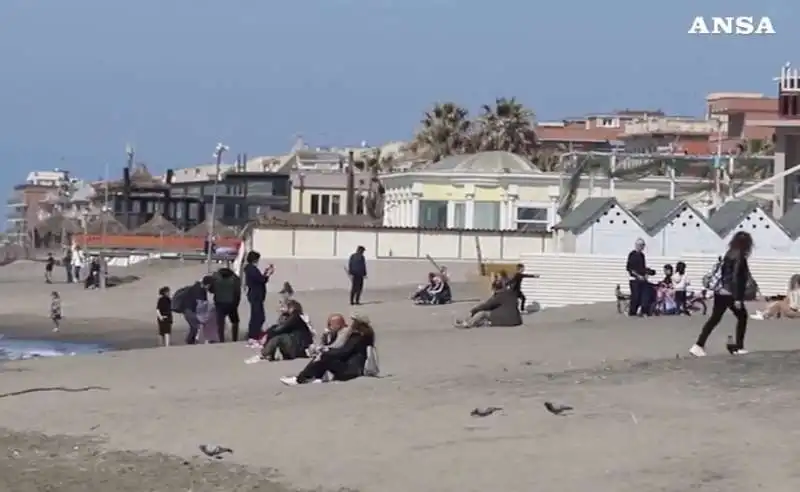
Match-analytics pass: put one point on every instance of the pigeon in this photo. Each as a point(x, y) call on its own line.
point(485, 412)
point(214, 451)
point(556, 409)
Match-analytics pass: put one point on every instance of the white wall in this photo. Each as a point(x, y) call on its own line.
point(768, 236)
point(583, 279)
point(688, 233)
point(297, 242)
point(614, 231)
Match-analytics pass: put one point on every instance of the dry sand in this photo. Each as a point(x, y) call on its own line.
point(644, 419)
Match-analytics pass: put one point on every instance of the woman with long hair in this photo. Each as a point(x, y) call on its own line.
point(789, 306)
point(344, 359)
point(256, 283)
point(729, 293)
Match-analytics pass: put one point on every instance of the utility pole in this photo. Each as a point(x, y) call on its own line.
point(126, 185)
point(351, 184)
point(221, 149)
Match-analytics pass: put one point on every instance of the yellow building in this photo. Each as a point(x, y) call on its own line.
point(489, 190)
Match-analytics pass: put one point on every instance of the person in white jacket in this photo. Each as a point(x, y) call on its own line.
point(78, 260)
point(680, 284)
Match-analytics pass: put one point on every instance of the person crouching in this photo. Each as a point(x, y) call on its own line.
point(291, 337)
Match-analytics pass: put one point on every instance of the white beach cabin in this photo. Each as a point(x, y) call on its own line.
point(598, 226)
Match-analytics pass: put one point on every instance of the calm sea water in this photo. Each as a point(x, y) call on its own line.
point(21, 349)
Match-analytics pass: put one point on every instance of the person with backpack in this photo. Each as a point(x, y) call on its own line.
point(227, 291)
point(729, 281)
point(185, 301)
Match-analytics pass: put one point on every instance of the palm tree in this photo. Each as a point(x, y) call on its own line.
point(508, 126)
point(445, 131)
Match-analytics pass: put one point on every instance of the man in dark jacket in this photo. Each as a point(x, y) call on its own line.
point(499, 310)
point(196, 293)
point(515, 285)
point(357, 270)
point(636, 266)
point(227, 290)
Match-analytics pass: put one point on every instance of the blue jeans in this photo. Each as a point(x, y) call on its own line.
point(257, 318)
point(194, 326)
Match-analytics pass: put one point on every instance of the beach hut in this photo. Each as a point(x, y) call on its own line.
point(599, 226)
point(158, 226)
point(791, 224)
point(743, 215)
point(676, 228)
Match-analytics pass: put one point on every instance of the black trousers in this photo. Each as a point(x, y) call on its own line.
point(640, 297)
point(356, 288)
point(316, 369)
point(231, 312)
point(522, 303)
point(257, 318)
point(284, 343)
point(680, 300)
point(721, 304)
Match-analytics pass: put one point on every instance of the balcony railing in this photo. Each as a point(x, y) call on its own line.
point(671, 127)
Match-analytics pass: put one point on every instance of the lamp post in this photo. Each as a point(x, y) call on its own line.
point(221, 149)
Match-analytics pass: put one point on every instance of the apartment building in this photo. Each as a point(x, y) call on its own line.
point(738, 113)
point(598, 132)
point(27, 204)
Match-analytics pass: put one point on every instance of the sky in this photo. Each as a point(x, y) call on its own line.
point(81, 78)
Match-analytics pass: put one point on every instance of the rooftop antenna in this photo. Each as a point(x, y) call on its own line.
point(299, 144)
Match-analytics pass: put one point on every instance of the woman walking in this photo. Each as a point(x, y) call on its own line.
point(732, 275)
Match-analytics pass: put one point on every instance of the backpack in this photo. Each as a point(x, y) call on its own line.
point(371, 368)
point(713, 279)
point(179, 299)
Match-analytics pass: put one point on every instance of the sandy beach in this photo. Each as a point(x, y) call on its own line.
point(645, 418)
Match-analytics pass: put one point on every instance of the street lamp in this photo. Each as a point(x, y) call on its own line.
point(221, 149)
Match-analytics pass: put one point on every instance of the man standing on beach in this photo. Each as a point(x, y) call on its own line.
point(357, 270)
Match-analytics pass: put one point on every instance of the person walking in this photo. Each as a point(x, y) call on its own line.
point(66, 262)
point(78, 260)
point(256, 283)
point(729, 282)
point(48, 268)
point(357, 270)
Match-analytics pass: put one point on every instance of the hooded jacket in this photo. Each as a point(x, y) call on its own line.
point(227, 287)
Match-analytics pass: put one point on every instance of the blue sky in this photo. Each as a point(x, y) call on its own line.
point(83, 77)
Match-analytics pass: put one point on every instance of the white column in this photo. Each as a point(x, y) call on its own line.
point(779, 186)
point(469, 210)
point(451, 214)
point(512, 212)
point(415, 211)
point(404, 222)
point(504, 215)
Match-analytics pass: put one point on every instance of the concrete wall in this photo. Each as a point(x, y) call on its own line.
point(318, 242)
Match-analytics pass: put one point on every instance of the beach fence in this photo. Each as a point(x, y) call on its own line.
point(571, 279)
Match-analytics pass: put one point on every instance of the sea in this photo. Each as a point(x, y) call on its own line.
point(23, 349)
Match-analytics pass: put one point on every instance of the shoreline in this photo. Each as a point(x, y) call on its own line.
point(113, 333)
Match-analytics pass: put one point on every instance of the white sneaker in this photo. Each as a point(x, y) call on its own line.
point(289, 381)
point(697, 351)
point(758, 315)
point(55, 330)
point(253, 360)
point(740, 352)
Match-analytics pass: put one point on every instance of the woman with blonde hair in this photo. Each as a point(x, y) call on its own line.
point(345, 359)
point(789, 306)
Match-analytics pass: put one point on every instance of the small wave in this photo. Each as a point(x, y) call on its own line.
point(18, 349)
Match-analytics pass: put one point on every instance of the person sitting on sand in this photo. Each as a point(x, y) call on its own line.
point(292, 337)
point(286, 292)
point(498, 310)
point(789, 306)
point(422, 295)
point(499, 281)
point(347, 358)
point(327, 338)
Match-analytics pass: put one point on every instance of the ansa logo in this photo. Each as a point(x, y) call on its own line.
point(741, 26)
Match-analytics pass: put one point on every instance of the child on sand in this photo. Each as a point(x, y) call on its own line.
point(164, 315)
point(55, 310)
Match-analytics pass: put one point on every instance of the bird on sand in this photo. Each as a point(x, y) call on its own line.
point(484, 412)
point(557, 409)
point(214, 451)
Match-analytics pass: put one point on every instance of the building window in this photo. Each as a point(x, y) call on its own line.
point(336, 205)
point(326, 205)
point(459, 215)
point(532, 215)
point(260, 188)
point(433, 214)
point(315, 204)
point(194, 190)
point(486, 216)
